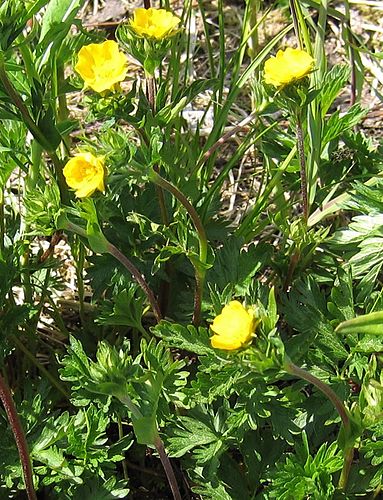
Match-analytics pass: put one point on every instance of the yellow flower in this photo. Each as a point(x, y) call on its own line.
point(154, 23)
point(287, 67)
point(101, 65)
point(234, 327)
point(85, 173)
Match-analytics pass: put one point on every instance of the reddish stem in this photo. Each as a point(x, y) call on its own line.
point(18, 433)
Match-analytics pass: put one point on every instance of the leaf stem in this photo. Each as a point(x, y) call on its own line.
point(159, 445)
point(139, 279)
point(18, 433)
point(347, 462)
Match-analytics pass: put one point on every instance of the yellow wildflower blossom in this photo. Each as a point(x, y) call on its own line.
point(234, 327)
point(154, 23)
point(101, 65)
point(85, 174)
point(287, 67)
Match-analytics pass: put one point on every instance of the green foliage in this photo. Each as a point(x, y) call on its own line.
point(107, 302)
point(304, 474)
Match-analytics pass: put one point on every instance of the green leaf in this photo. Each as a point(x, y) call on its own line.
point(371, 323)
point(333, 82)
point(184, 337)
point(341, 305)
point(48, 127)
point(337, 124)
point(189, 434)
point(57, 12)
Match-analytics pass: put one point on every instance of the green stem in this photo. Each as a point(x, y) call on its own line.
point(200, 269)
point(18, 433)
point(159, 445)
point(120, 436)
point(293, 369)
point(351, 51)
point(302, 164)
point(347, 462)
point(296, 24)
point(164, 289)
point(139, 278)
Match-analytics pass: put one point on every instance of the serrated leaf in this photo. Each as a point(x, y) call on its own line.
point(193, 433)
point(184, 337)
point(337, 124)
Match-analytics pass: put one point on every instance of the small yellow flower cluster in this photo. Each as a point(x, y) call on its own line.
point(287, 67)
point(103, 66)
point(234, 327)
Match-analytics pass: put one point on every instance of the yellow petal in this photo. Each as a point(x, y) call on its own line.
point(287, 67)
point(154, 23)
point(85, 174)
point(101, 65)
point(234, 327)
point(219, 342)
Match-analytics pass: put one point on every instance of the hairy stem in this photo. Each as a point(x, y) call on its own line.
point(159, 445)
point(168, 468)
point(112, 250)
point(139, 279)
point(347, 462)
point(302, 164)
point(200, 270)
point(18, 433)
point(324, 388)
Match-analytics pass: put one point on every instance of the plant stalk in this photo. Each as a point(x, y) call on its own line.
point(302, 165)
point(293, 369)
point(159, 445)
point(18, 433)
point(139, 278)
point(347, 462)
point(339, 406)
point(168, 468)
point(200, 269)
